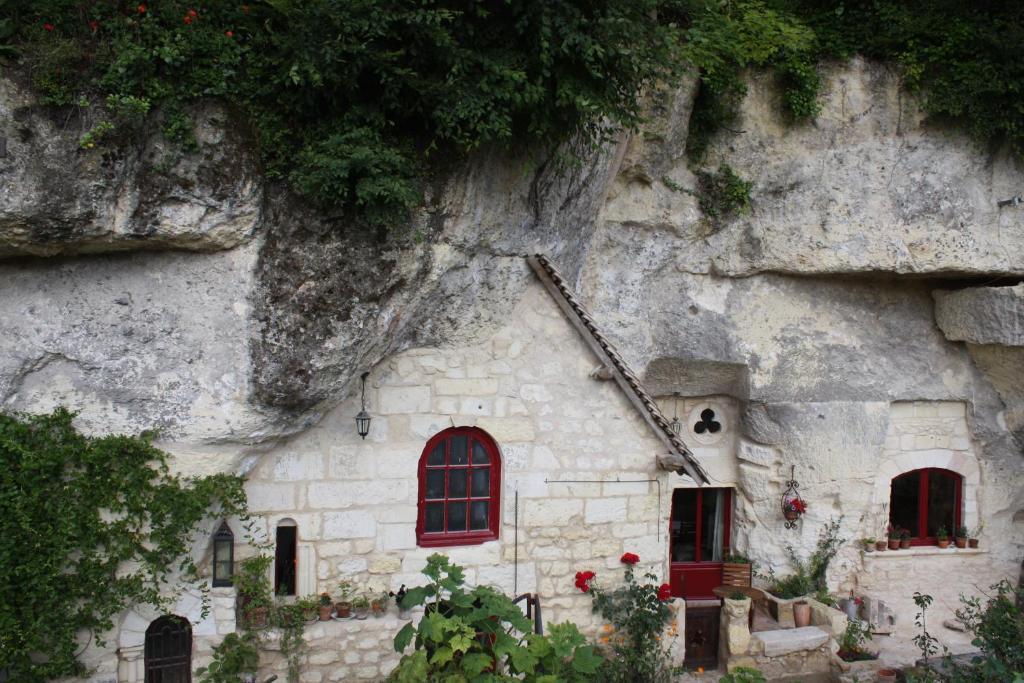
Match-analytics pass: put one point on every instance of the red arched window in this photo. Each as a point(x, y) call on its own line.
point(459, 489)
point(923, 501)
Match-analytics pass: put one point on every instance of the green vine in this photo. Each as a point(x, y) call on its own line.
point(91, 527)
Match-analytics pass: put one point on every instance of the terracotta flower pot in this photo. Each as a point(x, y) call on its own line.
point(944, 543)
point(972, 543)
point(886, 675)
point(377, 608)
point(791, 515)
point(881, 545)
point(961, 542)
point(256, 617)
point(904, 544)
point(894, 544)
point(801, 614)
point(324, 611)
point(343, 609)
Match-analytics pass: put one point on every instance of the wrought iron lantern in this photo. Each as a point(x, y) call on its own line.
point(223, 556)
point(363, 418)
point(793, 505)
point(676, 425)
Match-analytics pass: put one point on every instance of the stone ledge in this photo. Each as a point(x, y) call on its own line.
point(924, 551)
point(787, 640)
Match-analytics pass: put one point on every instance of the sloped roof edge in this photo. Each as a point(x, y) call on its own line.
point(680, 458)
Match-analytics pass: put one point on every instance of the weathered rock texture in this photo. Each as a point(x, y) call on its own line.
point(57, 197)
point(982, 315)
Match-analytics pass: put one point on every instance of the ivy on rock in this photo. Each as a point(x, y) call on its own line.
point(91, 526)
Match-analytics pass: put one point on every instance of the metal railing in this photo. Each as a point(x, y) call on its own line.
point(532, 611)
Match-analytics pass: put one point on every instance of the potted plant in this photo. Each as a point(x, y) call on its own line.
point(325, 607)
point(894, 537)
point(961, 536)
point(361, 607)
point(881, 545)
point(253, 589)
point(868, 544)
point(379, 604)
point(403, 611)
point(343, 608)
point(737, 570)
point(904, 538)
point(972, 540)
point(943, 537)
point(793, 508)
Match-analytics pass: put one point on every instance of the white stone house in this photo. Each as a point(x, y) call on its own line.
point(538, 453)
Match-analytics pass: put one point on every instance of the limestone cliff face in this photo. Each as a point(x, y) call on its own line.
point(238, 315)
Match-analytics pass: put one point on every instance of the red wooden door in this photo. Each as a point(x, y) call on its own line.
point(698, 541)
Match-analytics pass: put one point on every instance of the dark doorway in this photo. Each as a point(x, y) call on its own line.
point(701, 637)
point(168, 650)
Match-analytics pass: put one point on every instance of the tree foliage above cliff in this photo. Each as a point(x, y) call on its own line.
point(91, 526)
point(354, 101)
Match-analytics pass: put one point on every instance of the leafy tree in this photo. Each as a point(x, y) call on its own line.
point(91, 526)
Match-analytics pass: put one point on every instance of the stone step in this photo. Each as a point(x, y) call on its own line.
point(786, 640)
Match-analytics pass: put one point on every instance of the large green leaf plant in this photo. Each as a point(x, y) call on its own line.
point(480, 635)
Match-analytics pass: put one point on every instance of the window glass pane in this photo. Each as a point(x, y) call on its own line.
point(457, 516)
point(941, 503)
point(712, 525)
point(481, 482)
point(434, 517)
point(222, 570)
point(684, 525)
point(480, 456)
point(478, 514)
point(436, 457)
point(903, 502)
point(457, 483)
point(458, 455)
point(435, 484)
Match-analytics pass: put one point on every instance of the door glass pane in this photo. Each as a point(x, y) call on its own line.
point(712, 525)
point(903, 501)
point(436, 457)
point(457, 516)
point(458, 455)
point(435, 484)
point(941, 502)
point(480, 456)
point(481, 482)
point(434, 517)
point(457, 483)
point(684, 525)
point(478, 514)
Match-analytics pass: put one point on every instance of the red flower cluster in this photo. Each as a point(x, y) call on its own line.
point(191, 16)
point(797, 505)
point(583, 580)
point(94, 26)
point(629, 558)
point(229, 34)
point(141, 9)
point(48, 26)
point(664, 592)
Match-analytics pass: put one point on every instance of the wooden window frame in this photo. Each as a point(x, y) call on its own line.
point(726, 520)
point(439, 539)
point(922, 501)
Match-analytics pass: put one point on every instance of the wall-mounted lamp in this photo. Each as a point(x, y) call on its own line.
point(223, 556)
point(676, 425)
point(363, 418)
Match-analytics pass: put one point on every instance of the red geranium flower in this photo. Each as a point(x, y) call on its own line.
point(629, 558)
point(665, 592)
point(583, 580)
point(797, 505)
point(187, 19)
point(141, 9)
point(94, 25)
point(229, 34)
point(48, 26)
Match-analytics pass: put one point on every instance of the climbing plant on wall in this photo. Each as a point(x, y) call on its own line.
point(91, 526)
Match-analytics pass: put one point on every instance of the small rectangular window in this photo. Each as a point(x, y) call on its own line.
point(285, 557)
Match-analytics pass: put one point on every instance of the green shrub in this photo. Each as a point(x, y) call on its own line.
point(464, 634)
point(92, 526)
point(236, 654)
point(997, 625)
point(722, 193)
point(743, 674)
point(808, 576)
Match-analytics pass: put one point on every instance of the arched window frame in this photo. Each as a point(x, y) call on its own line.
point(441, 539)
point(922, 501)
point(167, 652)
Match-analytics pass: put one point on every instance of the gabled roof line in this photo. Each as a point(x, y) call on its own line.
point(680, 458)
